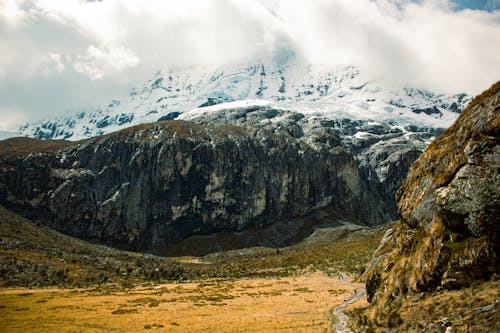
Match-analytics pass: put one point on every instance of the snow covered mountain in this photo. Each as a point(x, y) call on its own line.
point(284, 83)
point(383, 127)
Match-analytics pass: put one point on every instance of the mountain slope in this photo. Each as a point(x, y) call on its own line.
point(449, 205)
point(384, 127)
point(153, 184)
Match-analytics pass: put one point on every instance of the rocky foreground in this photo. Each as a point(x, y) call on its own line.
point(448, 234)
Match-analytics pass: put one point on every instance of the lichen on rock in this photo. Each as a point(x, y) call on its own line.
point(449, 208)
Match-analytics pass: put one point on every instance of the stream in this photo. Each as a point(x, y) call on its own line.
point(341, 320)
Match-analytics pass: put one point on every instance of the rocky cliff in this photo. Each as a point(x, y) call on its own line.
point(152, 184)
point(385, 127)
point(449, 208)
point(383, 152)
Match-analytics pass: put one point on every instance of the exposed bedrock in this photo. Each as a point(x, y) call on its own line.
point(158, 183)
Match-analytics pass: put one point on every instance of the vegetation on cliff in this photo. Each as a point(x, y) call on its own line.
point(448, 234)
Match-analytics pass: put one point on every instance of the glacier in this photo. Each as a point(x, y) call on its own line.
point(290, 85)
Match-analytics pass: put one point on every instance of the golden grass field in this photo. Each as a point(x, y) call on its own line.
point(54, 283)
point(289, 304)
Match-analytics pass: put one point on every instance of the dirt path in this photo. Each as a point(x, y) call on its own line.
point(340, 319)
point(289, 304)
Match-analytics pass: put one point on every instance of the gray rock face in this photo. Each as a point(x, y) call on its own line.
point(448, 234)
point(153, 184)
point(383, 151)
point(384, 165)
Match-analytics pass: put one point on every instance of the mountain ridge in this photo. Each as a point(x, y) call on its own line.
point(287, 84)
point(153, 184)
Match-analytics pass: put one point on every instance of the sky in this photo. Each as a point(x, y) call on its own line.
point(64, 56)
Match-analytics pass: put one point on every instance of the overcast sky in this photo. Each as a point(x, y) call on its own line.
point(59, 57)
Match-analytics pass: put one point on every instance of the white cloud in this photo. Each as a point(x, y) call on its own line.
point(53, 64)
point(70, 52)
point(428, 45)
point(100, 61)
point(12, 11)
point(10, 118)
point(58, 65)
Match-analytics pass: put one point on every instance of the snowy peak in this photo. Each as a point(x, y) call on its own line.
point(284, 82)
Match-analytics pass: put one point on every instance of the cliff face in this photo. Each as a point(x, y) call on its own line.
point(383, 152)
point(153, 184)
point(449, 208)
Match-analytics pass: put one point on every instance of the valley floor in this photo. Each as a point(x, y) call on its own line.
point(281, 304)
point(54, 283)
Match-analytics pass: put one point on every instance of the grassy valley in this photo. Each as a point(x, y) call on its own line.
point(52, 281)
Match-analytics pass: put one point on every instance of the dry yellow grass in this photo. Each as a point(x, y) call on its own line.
point(291, 289)
point(292, 304)
point(472, 309)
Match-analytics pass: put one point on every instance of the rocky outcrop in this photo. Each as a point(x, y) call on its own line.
point(383, 152)
point(152, 184)
point(448, 234)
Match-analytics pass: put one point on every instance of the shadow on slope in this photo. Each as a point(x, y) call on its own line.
point(277, 235)
point(33, 255)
